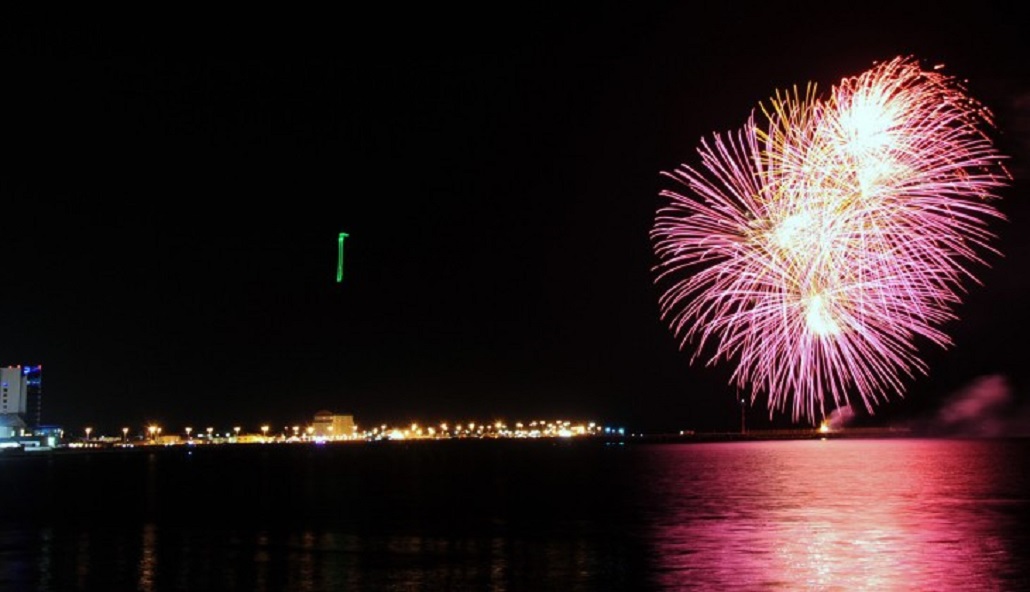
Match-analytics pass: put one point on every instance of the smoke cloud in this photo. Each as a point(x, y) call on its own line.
point(985, 408)
point(839, 417)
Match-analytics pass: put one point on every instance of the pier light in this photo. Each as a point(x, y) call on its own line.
point(125, 434)
point(88, 430)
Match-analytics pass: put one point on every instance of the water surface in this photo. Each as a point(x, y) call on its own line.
point(896, 514)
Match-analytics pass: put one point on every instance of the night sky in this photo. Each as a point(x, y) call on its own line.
point(173, 188)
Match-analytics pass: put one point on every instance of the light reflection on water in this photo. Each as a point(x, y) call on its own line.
point(839, 515)
point(782, 515)
point(304, 562)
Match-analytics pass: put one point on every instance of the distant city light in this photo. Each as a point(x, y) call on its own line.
point(349, 432)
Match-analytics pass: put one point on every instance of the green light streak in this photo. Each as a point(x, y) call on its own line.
point(339, 259)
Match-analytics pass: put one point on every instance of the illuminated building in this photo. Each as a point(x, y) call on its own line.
point(11, 426)
point(33, 376)
point(331, 426)
point(21, 394)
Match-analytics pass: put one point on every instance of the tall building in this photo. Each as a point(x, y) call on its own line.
point(34, 395)
point(21, 394)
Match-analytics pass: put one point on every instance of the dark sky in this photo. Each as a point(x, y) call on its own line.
point(173, 188)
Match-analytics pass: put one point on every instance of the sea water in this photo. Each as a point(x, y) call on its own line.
point(840, 514)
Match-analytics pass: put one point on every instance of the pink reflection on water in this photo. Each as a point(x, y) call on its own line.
point(836, 515)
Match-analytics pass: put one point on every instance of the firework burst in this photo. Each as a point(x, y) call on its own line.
point(816, 249)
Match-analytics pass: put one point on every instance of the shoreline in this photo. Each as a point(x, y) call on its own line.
point(606, 440)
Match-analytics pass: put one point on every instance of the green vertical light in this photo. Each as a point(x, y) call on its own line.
point(339, 259)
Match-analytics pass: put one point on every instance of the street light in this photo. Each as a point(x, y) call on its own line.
point(237, 430)
point(125, 435)
point(264, 432)
point(209, 430)
point(88, 430)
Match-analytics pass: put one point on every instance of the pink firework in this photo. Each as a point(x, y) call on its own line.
point(817, 250)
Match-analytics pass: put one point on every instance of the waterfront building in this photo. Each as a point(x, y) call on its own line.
point(33, 376)
point(332, 426)
point(11, 426)
point(21, 395)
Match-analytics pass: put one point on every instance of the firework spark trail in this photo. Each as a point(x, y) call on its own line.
point(817, 249)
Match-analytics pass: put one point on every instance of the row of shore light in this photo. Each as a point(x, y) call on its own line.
point(155, 434)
